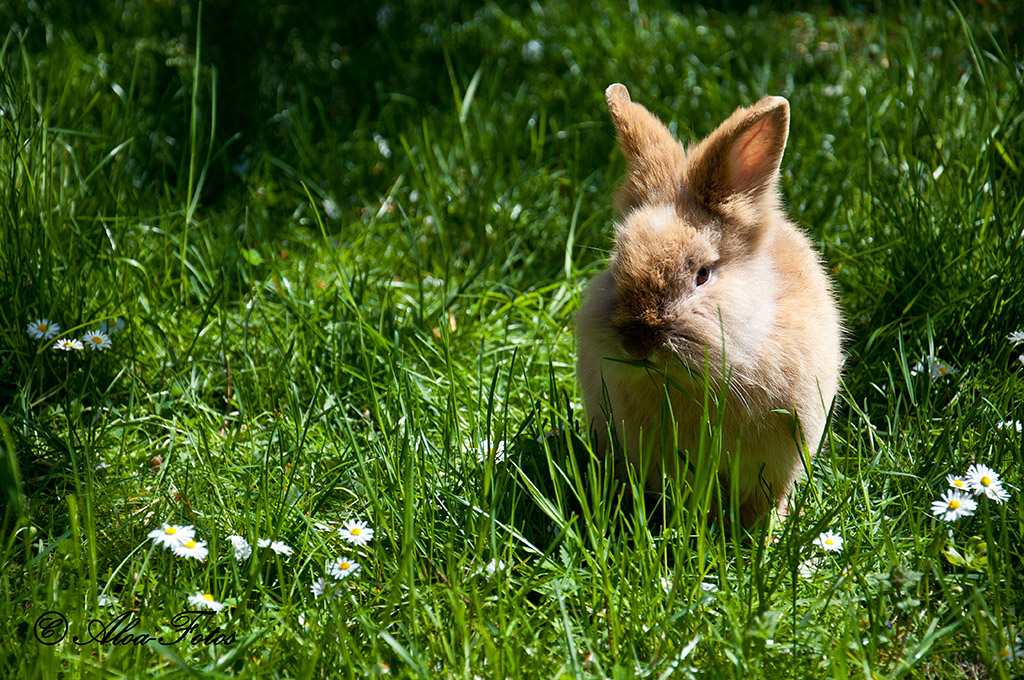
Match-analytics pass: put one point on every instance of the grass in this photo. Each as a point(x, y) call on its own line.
point(347, 248)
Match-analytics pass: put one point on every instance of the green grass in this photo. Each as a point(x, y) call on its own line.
point(347, 249)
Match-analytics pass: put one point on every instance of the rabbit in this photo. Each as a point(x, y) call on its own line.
point(709, 280)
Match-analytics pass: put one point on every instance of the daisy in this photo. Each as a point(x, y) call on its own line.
point(830, 541)
point(172, 534)
point(953, 505)
point(1012, 652)
point(97, 341)
point(1010, 425)
point(191, 549)
point(242, 548)
point(321, 587)
point(1016, 337)
point(356, 533)
point(43, 329)
point(493, 567)
point(277, 546)
point(203, 600)
point(957, 482)
point(342, 567)
point(489, 450)
point(934, 366)
point(806, 569)
point(111, 326)
point(281, 548)
point(984, 480)
point(68, 344)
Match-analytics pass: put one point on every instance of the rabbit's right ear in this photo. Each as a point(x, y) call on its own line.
point(654, 157)
point(740, 159)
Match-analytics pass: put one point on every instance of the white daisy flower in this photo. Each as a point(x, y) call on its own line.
point(277, 546)
point(281, 548)
point(953, 505)
point(97, 341)
point(492, 567)
point(42, 329)
point(68, 344)
point(807, 568)
point(356, 533)
point(1016, 337)
point(172, 534)
point(830, 541)
point(342, 567)
point(191, 549)
point(1012, 652)
point(957, 482)
point(203, 600)
point(934, 366)
point(111, 326)
point(489, 450)
point(321, 587)
point(242, 548)
point(984, 480)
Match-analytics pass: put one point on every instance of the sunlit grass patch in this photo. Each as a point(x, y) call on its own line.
point(328, 276)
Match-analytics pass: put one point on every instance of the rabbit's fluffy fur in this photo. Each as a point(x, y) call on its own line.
point(707, 271)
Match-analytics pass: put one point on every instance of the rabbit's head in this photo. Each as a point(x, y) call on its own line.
point(689, 269)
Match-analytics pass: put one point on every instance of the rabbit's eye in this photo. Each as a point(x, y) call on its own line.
point(703, 274)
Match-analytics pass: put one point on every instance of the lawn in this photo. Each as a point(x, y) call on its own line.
point(287, 331)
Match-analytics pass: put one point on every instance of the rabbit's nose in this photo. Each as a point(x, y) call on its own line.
point(640, 340)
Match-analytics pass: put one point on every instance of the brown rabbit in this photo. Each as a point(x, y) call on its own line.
point(707, 271)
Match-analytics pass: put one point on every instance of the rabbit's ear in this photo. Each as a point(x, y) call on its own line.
point(655, 158)
point(741, 158)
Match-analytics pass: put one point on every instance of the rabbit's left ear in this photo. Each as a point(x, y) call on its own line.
point(741, 158)
point(654, 157)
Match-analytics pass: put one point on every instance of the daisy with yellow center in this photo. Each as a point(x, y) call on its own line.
point(491, 451)
point(191, 549)
point(68, 344)
point(172, 534)
point(953, 505)
point(984, 480)
point(829, 541)
point(356, 532)
point(1013, 650)
point(42, 329)
point(342, 567)
point(203, 600)
point(98, 341)
point(956, 482)
point(322, 587)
